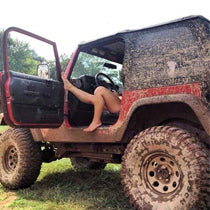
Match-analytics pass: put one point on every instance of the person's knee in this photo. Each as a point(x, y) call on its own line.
point(99, 90)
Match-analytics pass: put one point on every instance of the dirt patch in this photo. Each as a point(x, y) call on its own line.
point(10, 198)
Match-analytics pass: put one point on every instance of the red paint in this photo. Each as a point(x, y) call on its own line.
point(1, 75)
point(66, 108)
point(2, 99)
point(67, 71)
point(71, 62)
point(129, 97)
point(6, 85)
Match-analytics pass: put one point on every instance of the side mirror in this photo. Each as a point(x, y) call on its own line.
point(43, 71)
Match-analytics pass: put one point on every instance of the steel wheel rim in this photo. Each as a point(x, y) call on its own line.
point(162, 173)
point(10, 159)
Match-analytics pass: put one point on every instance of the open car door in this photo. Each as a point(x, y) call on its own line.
point(32, 93)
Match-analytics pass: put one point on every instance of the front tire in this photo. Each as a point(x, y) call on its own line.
point(166, 168)
point(20, 159)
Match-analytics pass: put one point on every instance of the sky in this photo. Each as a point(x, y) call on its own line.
point(69, 23)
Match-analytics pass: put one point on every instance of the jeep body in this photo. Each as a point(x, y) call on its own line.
point(163, 81)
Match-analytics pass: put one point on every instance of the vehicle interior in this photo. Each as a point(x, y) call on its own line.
point(98, 63)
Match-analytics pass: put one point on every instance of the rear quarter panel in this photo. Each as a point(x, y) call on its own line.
point(172, 54)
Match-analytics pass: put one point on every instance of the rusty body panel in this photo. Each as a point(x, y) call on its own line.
point(164, 64)
point(115, 133)
point(168, 55)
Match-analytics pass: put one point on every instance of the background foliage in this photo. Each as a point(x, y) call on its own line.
point(22, 58)
point(25, 60)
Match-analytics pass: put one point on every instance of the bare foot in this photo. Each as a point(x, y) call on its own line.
point(92, 127)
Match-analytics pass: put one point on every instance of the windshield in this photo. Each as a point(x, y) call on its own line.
point(90, 65)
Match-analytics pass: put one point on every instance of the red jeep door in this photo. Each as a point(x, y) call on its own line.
point(30, 97)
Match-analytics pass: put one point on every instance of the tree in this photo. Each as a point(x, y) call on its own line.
point(88, 64)
point(64, 60)
point(21, 57)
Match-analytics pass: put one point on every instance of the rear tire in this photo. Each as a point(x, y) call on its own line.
point(166, 168)
point(81, 163)
point(20, 159)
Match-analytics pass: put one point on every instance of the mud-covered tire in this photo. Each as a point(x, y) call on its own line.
point(20, 159)
point(81, 163)
point(166, 168)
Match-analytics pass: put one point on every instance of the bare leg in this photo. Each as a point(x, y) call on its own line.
point(102, 98)
point(98, 103)
point(111, 100)
point(81, 95)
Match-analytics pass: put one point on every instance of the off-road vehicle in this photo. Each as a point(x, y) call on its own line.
point(161, 135)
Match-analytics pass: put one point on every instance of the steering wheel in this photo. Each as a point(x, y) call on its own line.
point(111, 86)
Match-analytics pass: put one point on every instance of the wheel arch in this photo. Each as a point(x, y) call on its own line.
point(160, 110)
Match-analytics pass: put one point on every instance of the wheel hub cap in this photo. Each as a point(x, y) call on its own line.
point(162, 173)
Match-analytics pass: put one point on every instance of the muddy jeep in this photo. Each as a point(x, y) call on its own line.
point(161, 135)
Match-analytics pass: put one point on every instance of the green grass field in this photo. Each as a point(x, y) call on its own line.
point(60, 187)
point(3, 128)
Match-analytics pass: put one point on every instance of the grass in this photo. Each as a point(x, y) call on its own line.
point(3, 128)
point(60, 187)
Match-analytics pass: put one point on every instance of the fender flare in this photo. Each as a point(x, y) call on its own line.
point(192, 101)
